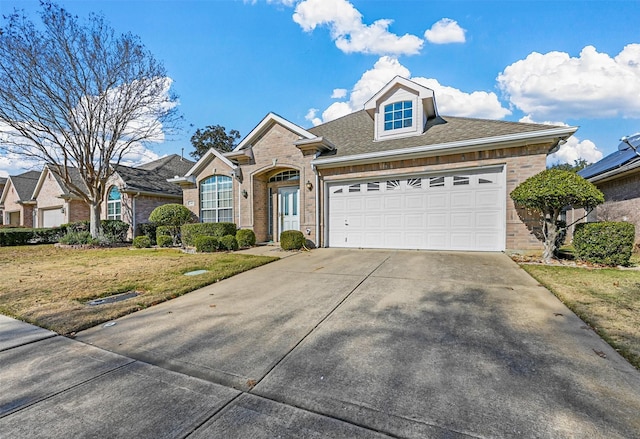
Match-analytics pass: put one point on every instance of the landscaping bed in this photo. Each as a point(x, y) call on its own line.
point(52, 287)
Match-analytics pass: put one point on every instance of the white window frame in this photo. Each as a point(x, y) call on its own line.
point(114, 206)
point(216, 199)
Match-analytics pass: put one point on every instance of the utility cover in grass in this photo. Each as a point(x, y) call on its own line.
point(114, 298)
point(195, 273)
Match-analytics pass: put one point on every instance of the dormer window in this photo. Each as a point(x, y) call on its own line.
point(398, 115)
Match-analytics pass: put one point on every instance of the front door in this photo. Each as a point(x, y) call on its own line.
point(289, 208)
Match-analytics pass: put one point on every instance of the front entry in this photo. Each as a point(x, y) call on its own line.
point(289, 208)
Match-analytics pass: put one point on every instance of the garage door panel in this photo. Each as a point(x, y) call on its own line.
point(456, 211)
point(437, 220)
point(488, 198)
point(488, 219)
point(462, 200)
point(462, 219)
point(415, 201)
point(415, 220)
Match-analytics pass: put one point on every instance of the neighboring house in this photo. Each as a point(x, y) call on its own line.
point(396, 174)
point(3, 182)
point(55, 204)
point(16, 200)
point(133, 193)
point(618, 177)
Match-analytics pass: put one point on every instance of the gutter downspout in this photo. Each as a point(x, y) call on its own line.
point(315, 170)
point(133, 216)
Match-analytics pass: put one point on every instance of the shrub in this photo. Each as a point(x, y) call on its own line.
point(12, 236)
point(608, 243)
point(245, 238)
point(142, 241)
point(78, 238)
point(147, 229)
point(292, 240)
point(190, 231)
point(172, 216)
point(228, 242)
point(163, 231)
point(114, 230)
point(15, 236)
point(78, 226)
point(206, 243)
point(164, 241)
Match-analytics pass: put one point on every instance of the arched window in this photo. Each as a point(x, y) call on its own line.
point(216, 199)
point(114, 204)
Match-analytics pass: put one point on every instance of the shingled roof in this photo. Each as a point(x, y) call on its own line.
point(354, 133)
point(171, 165)
point(152, 177)
point(76, 179)
point(24, 184)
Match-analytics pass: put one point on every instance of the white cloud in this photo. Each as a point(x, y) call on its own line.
point(592, 85)
point(454, 102)
point(339, 93)
point(450, 101)
point(311, 116)
point(349, 32)
point(573, 149)
point(445, 31)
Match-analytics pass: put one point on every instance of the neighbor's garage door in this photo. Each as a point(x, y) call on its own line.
point(455, 211)
point(52, 217)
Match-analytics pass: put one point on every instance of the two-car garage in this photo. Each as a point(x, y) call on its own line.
point(461, 210)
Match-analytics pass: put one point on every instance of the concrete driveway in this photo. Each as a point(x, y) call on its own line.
point(340, 343)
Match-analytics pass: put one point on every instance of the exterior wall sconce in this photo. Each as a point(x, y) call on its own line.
point(245, 194)
point(309, 185)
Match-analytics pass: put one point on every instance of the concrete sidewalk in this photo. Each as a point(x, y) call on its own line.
point(330, 343)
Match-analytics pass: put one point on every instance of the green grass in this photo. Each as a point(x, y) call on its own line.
point(50, 287)
point(606, 299)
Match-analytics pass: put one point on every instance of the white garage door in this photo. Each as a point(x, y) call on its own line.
point(52, 217)
point(455, 211)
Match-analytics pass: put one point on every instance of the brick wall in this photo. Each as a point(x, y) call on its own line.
point(11, 205)
point(622, 197)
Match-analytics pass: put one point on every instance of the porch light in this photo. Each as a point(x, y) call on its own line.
point(309, 185)
point(245, 194)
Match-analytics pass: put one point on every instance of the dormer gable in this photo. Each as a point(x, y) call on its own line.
point(401, 108)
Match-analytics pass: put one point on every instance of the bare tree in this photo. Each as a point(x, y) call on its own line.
point(74, 94)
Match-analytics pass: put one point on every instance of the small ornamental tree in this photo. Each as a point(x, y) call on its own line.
point(173, 216)
point(549, 192)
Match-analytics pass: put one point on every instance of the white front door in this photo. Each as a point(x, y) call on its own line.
point(289, 208)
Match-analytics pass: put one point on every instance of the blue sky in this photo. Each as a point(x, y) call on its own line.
point(232, 62)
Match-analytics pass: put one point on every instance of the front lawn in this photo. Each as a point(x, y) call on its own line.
point(50, 287)
point(607, 299)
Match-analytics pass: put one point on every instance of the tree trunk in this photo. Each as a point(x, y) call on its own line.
point(94, 217)
point(550, 234)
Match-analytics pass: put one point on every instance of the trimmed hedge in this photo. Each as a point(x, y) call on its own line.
point(228, 242)
point(607, 243)
point(206, 244)
point(147, 229)
point(165, 241)
point(246, 238)
point(190, 231)
point(292, 240)
point(11, 236)
point(114, 230)
point(142, 241)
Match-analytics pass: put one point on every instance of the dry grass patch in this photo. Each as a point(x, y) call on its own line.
point(50, 287)
point(607, 299)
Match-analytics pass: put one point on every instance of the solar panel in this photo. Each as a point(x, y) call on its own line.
point(612, 161)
